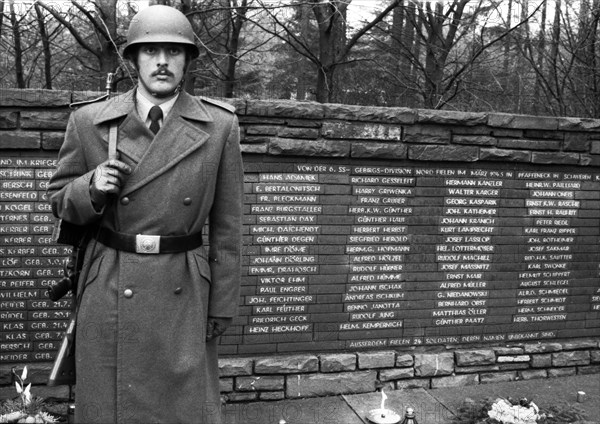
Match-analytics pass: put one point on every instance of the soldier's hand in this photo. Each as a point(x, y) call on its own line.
point(216, 326)
point(108, 179)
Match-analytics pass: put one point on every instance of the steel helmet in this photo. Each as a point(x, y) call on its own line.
point(160, 24)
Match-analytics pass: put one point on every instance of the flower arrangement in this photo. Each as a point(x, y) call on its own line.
point(25, 408)
point(523, 412)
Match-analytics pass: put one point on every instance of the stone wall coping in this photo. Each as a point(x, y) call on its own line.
point(40, 98)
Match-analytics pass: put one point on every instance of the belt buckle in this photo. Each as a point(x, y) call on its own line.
point(147, 244)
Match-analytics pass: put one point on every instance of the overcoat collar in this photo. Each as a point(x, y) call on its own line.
point(180, 135)
point(186, 106)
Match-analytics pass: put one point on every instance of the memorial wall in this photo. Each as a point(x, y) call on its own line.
point(365, 228)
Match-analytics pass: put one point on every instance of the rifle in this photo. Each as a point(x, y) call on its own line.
point(63, 371)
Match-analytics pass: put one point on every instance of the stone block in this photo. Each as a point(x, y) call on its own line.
point(8, 120)
point(20, 140)
point(254, 139)
point(580, 344)
point(285, 108)
point(478, 140)
point(325, 148)
point(595, 147)
point(518, 358)
point(241, 396)
point(34, 97)
point(562, 372)
point(578, 124)
point(261, 120)
point(541, 361)
point(555, 158)
point(497, 377)
point(44, 120)
point(571, 358)
point(396, 374)
point(451, 117)
point(256, 149)
point(231, 367)
point(532, 374)
point(304, 133)
point(262, 129)
point(594, 356)
point(378, 150)
point(52, 140)
point(504, 155)
point(576, 142)
point(394, 115)
point(434, 364)
point(338, 362)
point(280, 395)
point(368, 360)
point(415, 383)
point(427, 134)
point(287, 364)
point(447, 153)
point(589, 160)
point(266, 382)
point(361, 131)
point(475, 357)
point(508, 350)
point(528, 122)
point(313, 385)
point(590, 369)
point(529, 144)
point(226, 384)
point(455, 381)
point(513, 366)
point(542, 347)
point(404, 360)
point(476, 369)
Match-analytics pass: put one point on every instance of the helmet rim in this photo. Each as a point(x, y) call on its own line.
point(160, 24)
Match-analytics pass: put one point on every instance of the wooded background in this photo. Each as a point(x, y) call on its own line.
point(521, 56)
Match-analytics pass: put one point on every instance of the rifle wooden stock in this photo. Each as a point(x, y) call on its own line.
point(63, 370)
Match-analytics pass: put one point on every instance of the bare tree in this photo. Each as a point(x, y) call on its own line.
point(18, 48)
point(333, 47)
point(45, 47)
point(103, 41)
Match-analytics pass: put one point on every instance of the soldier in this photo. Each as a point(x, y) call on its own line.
point(152, 299)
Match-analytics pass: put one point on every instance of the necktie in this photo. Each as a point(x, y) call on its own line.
point(155, 116)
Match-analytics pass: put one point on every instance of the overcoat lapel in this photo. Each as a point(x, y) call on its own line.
point(180, 135)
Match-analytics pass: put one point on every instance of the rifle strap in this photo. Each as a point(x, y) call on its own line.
point(112, 141)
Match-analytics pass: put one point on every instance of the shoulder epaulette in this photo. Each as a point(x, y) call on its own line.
point(219, 103)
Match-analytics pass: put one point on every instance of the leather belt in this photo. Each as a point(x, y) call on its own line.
point(148, 244)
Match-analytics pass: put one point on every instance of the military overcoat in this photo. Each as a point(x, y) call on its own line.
point(140, 341)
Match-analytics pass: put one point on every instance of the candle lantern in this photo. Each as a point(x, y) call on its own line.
point(409, 417)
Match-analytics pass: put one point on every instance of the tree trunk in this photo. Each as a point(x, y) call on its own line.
point(18, 48)
point(541, 47)
point(1, 16)
point(554, 51)
point(45, 47)
point(108, 58)
point(301, 69)
point(237, 18)
point(507, 41)
point(331, 18)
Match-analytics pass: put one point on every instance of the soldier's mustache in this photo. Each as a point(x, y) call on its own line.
point(162, 71)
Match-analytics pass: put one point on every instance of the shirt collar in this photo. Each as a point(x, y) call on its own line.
point(144, 105)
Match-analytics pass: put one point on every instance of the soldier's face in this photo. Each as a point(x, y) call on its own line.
point(160, 68)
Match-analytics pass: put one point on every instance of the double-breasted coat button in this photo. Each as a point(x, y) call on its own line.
point(187, 201)
point(128, 293)
point(178, 290)
point(125, 200)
